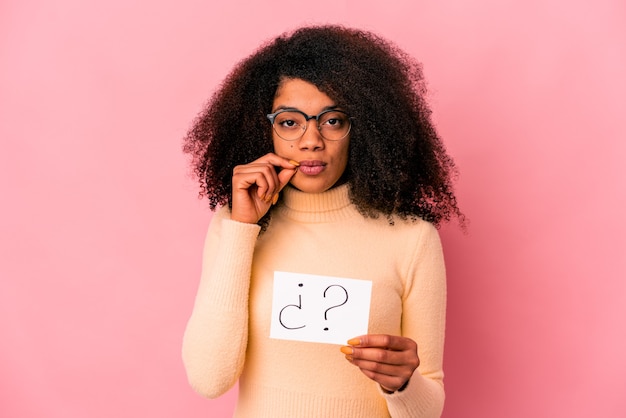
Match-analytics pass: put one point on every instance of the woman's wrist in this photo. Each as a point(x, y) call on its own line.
point(400, 389)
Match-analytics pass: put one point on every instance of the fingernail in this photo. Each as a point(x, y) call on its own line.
point(294, 162)
point(354, 341)
point(275, 199)
point(346, 350)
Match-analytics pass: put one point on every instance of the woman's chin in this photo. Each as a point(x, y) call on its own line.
point(314, 186)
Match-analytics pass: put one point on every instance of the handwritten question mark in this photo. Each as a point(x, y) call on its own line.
point(334, 306)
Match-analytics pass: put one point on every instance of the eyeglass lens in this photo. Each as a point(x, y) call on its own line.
point(333, 125)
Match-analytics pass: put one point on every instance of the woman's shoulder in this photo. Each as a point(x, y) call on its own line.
point(396, 224)
point(402, 234)
point(221, 212)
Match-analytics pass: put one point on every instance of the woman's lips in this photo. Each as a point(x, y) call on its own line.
point(311, 167)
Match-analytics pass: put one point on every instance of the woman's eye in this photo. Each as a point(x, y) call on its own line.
point(288, 123)
point(334, 123)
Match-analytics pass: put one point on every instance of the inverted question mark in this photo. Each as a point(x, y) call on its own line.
point(334, 306)
point(298, 306)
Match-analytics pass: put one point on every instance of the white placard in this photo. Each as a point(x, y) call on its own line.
point(322, 309)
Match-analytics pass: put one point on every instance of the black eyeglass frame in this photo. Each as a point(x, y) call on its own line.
point(307, 118)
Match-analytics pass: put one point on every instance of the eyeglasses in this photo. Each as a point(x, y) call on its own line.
point(290, 124)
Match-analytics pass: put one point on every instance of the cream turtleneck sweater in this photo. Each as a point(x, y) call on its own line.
point(227, 337)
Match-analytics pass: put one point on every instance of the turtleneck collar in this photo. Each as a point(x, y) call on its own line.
point(329, 206)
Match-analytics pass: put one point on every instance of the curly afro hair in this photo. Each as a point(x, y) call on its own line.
point(397, 164)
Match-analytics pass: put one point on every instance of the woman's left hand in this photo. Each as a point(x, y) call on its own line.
point(389, 360)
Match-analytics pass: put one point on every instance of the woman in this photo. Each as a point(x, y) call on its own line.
point(320, 150)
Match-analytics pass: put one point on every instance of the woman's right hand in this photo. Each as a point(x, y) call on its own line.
point(256, 186)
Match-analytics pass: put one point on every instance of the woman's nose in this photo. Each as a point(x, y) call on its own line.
point(312, 138)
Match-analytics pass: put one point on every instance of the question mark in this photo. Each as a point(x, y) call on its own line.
point(335, 306)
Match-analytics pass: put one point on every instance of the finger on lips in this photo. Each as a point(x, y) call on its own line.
point(264, 178)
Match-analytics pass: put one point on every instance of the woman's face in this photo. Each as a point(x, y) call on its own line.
point(322, 162)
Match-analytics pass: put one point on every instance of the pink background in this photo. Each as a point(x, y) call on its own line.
point(101, 231)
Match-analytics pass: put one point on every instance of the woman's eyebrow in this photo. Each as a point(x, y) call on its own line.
point(331, 107)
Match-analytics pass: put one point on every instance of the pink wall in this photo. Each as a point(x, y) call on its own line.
point(101, 232)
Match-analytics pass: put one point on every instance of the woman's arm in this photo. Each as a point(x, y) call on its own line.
point(411, 366)
point(214, 344)
point(215, 340)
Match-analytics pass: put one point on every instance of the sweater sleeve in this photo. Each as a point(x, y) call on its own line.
point(423, 320)
point(216, 336)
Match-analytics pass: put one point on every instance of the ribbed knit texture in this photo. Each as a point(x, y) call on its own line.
point(227, 337)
